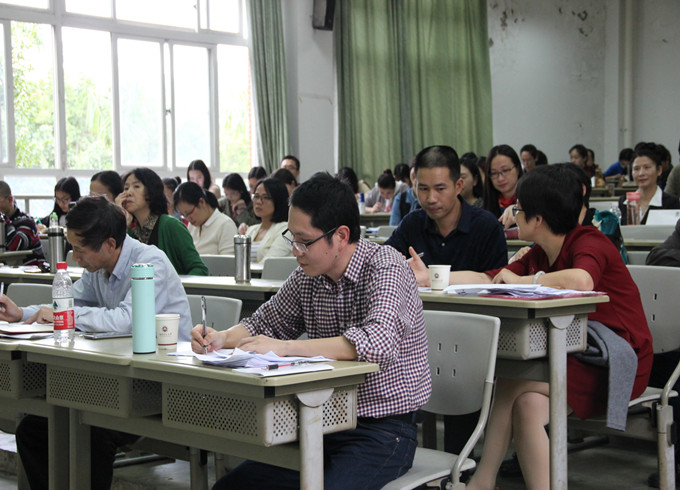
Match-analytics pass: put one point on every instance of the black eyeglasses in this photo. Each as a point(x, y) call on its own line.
point(516, 210)
point(303, 246)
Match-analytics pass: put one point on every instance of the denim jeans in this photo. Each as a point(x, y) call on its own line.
point(368, 457)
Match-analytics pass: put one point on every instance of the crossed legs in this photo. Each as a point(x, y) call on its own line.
point(520, 411)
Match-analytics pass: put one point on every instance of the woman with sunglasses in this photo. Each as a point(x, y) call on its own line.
point(270, 203)
point(211, 231)
point(146, 212)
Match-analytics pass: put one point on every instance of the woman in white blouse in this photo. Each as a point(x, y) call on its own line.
point(270, 204)
point(211, 231)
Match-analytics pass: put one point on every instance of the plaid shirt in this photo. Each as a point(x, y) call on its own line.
point(376, 306)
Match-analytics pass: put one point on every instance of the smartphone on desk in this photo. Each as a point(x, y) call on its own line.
point(105, 335)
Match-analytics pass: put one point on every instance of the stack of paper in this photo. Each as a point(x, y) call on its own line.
point(23, 331)
point(524, 291)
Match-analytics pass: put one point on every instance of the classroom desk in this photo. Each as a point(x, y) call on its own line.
point(180, 401)
point(374, 220)
point(522, 336)
point(14, 257)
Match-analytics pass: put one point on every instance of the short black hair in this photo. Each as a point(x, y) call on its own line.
point(95, 220)
point(172, 183)
point(285, 176)
point(110, 179)
point(329, 203)
point(651, 151)
point(387, 181)
point(402, 172)
point(626, 154)
point(439, 156)
point(294, 158)
point(583, 179)
point(155, 195)
point(279, 193)
point(554, 193)
point(235, 182)
point(257, 173)
point(192, 193)
point(348, 176)
point(530, 149)
point(580, 149)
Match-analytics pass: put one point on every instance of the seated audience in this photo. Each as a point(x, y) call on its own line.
point(255, 175)
point(380, 198)
point(356, 301)
point(668, 253)
point(541, 159)
point(292, 164)
point(270, 203)
point(622, 166)
point(647, 167)
point(402, 173)
point(404, 202)
point(673, 182)
point(198, 172)
point(349, 177)
point(211, 231)
point(169, 187)
point(473, 187)
point(146, 213)
point(21, 232)
point(103, 303)
point(667, 166)
point(237, 203)
point(529, 157)
point(566, 255)
point(578, 155)
point(287, 177)
point(106, 183)
point(503, 171)
point(66, 191)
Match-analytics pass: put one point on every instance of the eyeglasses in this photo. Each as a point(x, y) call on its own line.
point(186, 216)
point(62, 200)
point(261, 197)
point(504, 173)
point(302, 247)
point(516, 210)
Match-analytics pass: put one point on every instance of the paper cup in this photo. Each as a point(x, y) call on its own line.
point(167, 328)
point(439, 277)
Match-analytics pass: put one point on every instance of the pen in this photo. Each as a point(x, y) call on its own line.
point(290, 364)
point(203, 315)
point(419, 255)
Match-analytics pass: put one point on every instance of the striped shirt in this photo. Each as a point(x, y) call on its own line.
point(375, 305)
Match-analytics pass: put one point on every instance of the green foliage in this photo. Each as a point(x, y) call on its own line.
point(235, 137)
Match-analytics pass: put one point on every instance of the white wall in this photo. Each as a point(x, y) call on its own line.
point(558, 71)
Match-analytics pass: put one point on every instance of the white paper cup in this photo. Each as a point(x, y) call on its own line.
point(167, 328)
point(439, 277)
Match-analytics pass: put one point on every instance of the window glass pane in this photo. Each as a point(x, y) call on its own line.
point(33, 186)
point(192, 113)
point(87, 83)
point(32, 66)
point(40, 4)
point(235, 108)
point(3, 98)
point(224, 15)
point(100, 8)
point(139, 66)
point(177, 13)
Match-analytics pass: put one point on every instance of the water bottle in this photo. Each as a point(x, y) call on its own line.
point(62, 305)
point(362, 204)
point(55, 237)
point(143, 309)
point(54, 219)
point(242, 252)
point(633, 208)
point(616, 211)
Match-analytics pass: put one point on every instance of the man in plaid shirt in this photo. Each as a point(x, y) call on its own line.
point(21, 232)
point(356, 301)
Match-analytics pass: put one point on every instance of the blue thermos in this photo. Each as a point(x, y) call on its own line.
point(143, 309)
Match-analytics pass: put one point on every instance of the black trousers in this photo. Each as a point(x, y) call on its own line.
point(32, 445)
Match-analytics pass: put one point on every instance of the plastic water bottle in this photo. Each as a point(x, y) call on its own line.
point(362, 204)
point(633, 208)
point(616, 211)
point(62, 304)
point(54, 219)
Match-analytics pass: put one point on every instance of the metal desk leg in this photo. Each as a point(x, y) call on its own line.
point(558, 401)
point(311, 438)
point(198, 469)
point(80, 467)
point(57, 446)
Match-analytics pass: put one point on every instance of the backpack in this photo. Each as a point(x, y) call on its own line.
point(608, 223)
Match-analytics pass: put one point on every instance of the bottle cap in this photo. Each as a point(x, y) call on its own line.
point(142, 271)
point(632, 196)
point(62, 266)
point(241, 239)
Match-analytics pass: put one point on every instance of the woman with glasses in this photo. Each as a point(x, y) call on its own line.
point(270, 203)
point(211, 231)
point(237, 203)
point(146, 212)
point(502, 173)
point(66, 191)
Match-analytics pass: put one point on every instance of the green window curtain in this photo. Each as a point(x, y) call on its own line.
point(411, 73)
point(268, 64)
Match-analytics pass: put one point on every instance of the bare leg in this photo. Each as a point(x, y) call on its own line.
point(499, 429)
point(530, 415)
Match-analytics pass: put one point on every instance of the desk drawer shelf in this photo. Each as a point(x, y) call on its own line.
point(528, 339)
point(254, 420)
point(103, 393)
point(21, 379)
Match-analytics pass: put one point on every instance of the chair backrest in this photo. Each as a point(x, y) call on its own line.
point(647, 232)
point(26, 294)
point(278, 268)
point(69, 259)
point(220, 265)
point(637, 257)
point(385, 230)
point(223, 312)
point(659, 294)
point(462, 355)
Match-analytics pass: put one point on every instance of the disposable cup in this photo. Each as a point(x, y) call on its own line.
point(167, 328)
point(439, 277)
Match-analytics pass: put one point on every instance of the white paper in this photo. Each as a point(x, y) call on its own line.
point(303, 368)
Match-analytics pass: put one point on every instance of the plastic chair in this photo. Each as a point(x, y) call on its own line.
point(637, 257)
point(220, 265)
point(224, 312)
point(462, 355)
point(657, 287)
point(69, 259)
point(385, 230)
point(26, 294)
point(278, 268)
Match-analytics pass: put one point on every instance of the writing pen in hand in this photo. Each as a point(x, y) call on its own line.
point(290, 364)
point(419, 255)
point(203, 320)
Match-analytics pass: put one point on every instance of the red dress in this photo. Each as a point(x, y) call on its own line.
point(587, 248)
